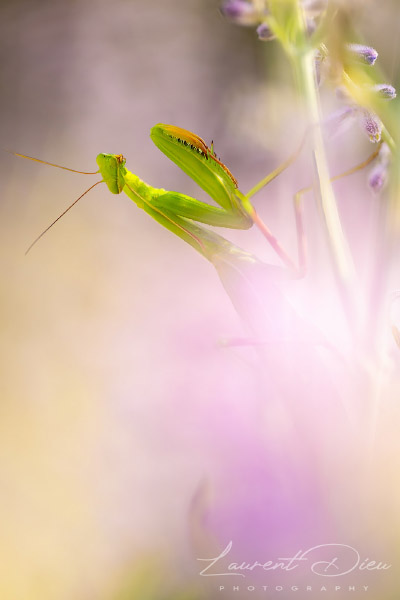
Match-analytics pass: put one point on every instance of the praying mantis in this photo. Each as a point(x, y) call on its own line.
point(178, 212)
point(239, 271)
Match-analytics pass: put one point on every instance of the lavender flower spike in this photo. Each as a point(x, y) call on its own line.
point(384, 90)
point(363, 54)
point(240, 12)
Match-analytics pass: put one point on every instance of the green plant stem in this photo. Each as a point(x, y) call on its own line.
point(341, 257)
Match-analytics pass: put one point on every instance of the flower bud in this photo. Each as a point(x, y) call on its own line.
point(240, 12)
point(379, 174)
point(377, 178)
point(363, 54)
point(372, 125)
point(311, 26)
point(264, 32)
point(384, 90)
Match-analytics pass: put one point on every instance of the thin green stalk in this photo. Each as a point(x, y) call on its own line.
point(341, 257)
point(288, 22)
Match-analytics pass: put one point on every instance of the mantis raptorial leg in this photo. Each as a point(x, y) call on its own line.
point(298, 206)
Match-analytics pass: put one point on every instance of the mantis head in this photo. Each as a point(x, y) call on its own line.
point(112, 169)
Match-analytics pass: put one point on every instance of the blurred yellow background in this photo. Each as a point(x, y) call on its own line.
point(106, 329)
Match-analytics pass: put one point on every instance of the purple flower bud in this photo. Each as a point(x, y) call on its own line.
point(240, 12)
point(371, 125)
point(311, 26)
point(377, 178)
point(379, 174)
point(264, 33)
point(363, 54)
point(384, 90)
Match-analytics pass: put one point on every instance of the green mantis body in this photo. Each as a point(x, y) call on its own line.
point(240, 271)
point(178, 212)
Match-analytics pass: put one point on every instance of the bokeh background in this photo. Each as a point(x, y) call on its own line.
point(130, 441)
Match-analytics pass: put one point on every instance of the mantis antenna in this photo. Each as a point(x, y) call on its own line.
point(44, 162)
point(66, 210)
